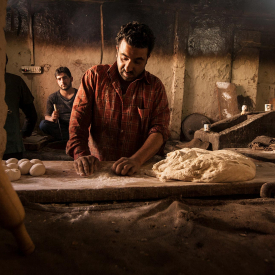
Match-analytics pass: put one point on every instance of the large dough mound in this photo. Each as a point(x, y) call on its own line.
point(199, 165)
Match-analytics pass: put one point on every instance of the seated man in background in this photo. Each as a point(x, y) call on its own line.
point(59, 106)
point(17, 96)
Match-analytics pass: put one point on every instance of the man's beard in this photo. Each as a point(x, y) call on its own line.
point(66, 88)
point(129, 76)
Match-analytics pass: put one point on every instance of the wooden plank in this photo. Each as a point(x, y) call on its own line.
point(35, 142)
point(60, 184)
point(255, 154)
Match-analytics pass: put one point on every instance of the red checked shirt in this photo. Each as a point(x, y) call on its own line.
point(108, 125)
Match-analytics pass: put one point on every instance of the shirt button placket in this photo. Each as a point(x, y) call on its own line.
point(122, 130)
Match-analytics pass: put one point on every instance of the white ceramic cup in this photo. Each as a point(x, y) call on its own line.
point(268, 107)
point(206, 127)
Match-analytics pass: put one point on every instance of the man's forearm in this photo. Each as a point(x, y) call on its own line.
point(150, 147)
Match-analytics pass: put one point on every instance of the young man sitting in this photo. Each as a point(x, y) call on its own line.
point(59, 106)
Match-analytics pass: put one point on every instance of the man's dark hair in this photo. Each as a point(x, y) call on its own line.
point(136, 35)
point(64, 70)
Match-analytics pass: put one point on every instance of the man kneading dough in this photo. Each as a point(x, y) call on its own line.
point(121, 111)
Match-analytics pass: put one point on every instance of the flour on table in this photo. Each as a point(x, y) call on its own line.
point(106, 174)
point(199, 165)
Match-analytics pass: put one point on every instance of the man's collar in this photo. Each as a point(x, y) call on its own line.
point(113, 71)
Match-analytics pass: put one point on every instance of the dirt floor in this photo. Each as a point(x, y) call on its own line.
point(171, 236)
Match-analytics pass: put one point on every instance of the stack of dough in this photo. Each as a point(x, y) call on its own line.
point(199, 165)
point(15, 168)
point(11, 168)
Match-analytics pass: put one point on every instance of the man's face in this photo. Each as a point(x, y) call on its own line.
point(64, 81)
point(131, 61)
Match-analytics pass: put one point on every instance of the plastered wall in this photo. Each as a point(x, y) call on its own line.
point(266, 79)
point(200, 77)
point(198, 44)
point(3, 106)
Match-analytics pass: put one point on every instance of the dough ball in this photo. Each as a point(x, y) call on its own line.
point(34, 161)
point(13, 174)
point(199, 165)
point(12, 166)
point(12, 160)
point(25, 167)
point(37, 170)
point(22, 160)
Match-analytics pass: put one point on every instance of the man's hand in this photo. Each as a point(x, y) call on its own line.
point(55, 115)
point(126, 166)
point(85, 166)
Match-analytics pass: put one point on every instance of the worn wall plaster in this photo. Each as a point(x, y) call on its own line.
point(245, 74)
point(176, 96)
point(201, 74)
point(245, 65)
point(266, 79)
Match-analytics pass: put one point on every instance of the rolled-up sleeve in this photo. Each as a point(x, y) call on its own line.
point(80, 120)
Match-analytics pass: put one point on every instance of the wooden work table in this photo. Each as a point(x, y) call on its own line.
point(60, 184)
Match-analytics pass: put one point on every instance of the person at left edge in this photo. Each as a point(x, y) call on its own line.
point(18, 96)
